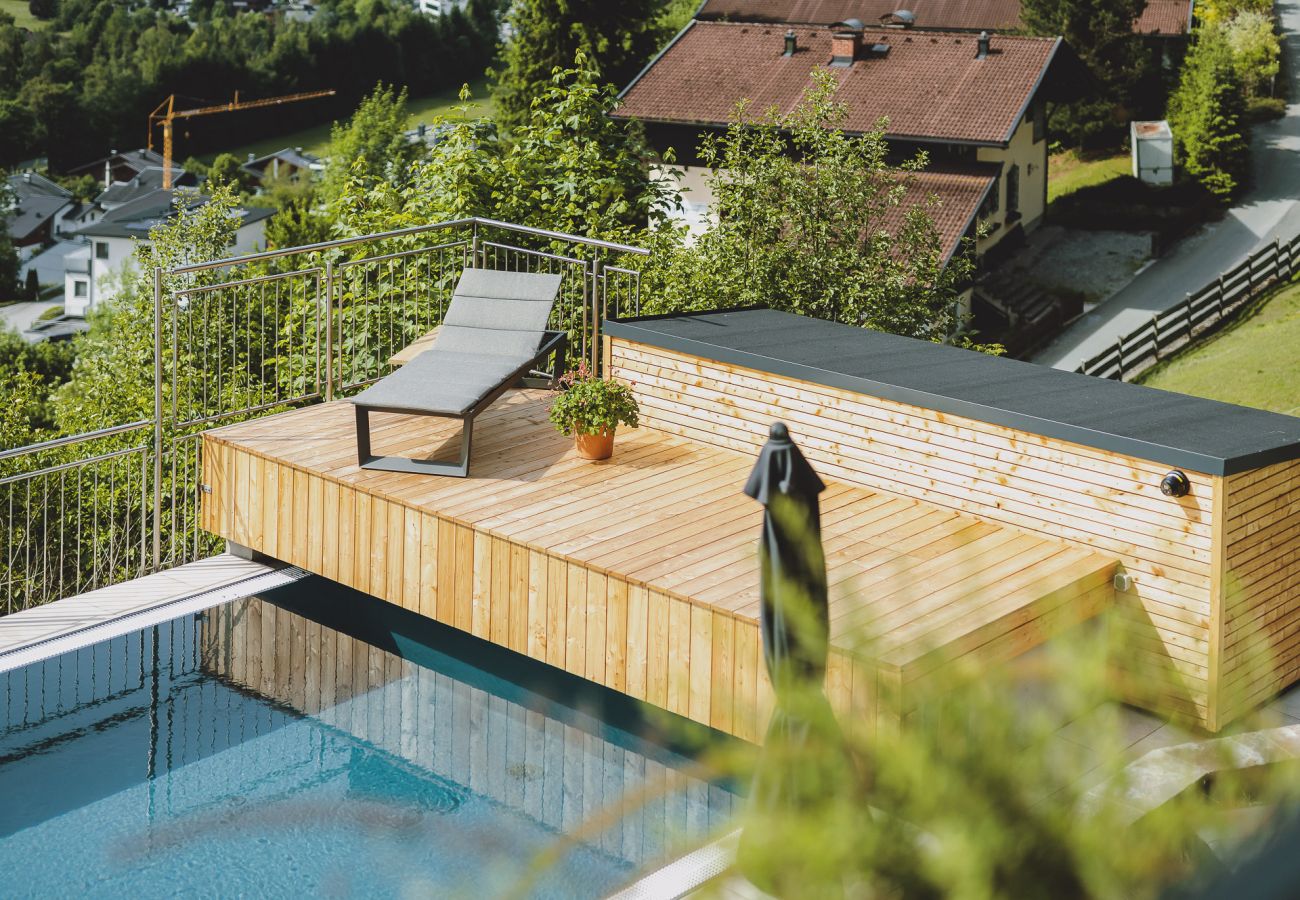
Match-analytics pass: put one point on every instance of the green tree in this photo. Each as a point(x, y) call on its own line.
point(32, 291)
point(812, 220)
point(83, 188)
point(9, 287)
point(228, 169)
point(34, 372)
point(618, 37)
point(112, 380)
point(372, 146)
point(52, 107)
point(21, 409)
point(676, 13)
point(1219, 12)
point(1207, 115)
point(1101, 32)
point(1256, 52)
point(43, 9)
point(568, 167)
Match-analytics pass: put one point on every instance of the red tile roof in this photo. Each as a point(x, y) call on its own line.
point(964, 14)
point(930, 84)
point(1170, 17)
point(959, 192)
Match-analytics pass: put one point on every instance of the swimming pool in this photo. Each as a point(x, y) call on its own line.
point(253, 750)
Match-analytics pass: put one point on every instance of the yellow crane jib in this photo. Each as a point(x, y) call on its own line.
point(166, 114)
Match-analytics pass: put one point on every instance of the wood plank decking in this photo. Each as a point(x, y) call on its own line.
point(640, 572)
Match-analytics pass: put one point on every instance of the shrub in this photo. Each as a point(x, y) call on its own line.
point(1207, 114)
point(1256, 53)
point(1265, 109)
point(1217, 12)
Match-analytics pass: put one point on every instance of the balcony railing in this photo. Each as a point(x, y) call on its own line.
point(249, 336)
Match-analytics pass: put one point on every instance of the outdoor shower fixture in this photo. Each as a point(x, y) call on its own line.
point(1175, 484)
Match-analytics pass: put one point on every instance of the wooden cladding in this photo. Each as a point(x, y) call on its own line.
point(538, 765)
point(650, 644)
point(639, 573)
point(1260, 590)
point(1107, 502)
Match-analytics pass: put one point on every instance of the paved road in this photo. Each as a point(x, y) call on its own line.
point(1270, 209)
point(20, 316)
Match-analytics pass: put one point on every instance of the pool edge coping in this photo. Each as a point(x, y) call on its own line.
point(43, 648)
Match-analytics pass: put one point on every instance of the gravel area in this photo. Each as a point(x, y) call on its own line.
point(1096, 264)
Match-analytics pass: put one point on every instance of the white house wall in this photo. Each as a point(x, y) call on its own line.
point(105, 276)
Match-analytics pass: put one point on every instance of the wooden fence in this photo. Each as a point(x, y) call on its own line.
point(1220, 300)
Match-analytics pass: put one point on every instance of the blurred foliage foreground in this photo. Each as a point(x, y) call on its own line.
point(979, 794)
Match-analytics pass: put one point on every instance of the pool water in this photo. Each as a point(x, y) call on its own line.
point(253, 751)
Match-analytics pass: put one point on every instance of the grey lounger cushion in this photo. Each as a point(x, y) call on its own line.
point(441, 383)
point(494, 325)
point(502, 313)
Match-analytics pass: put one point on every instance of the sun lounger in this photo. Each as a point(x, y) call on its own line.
point(493, 335)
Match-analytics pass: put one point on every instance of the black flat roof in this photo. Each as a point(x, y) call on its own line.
point(1174, 429)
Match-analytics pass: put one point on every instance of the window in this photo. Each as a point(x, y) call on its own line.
point(101, 249)
point(79, 289)
point(992, 202)
point(1013, 193)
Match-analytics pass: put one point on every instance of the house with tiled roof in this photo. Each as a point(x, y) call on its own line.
point(109, 244)
point(1159, 18)
point(290, 163)
point(976, 104)
point(37, 205)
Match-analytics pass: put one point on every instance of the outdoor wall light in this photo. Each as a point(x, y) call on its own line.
point(1175, 484)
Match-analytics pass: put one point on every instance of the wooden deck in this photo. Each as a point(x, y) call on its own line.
point(640, 572)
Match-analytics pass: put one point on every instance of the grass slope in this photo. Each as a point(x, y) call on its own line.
point(317, 138)
point(22, 16)
point(1253, 362)
point(1068, 172)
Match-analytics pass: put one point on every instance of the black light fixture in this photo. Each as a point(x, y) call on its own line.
point(1175, 484)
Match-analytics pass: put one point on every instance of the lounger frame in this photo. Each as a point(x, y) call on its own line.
point(555, 344)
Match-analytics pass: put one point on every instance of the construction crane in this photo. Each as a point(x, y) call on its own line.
point(166, 114)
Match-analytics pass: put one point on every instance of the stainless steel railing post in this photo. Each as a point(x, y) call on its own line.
point(157, 416)
point(329, 330)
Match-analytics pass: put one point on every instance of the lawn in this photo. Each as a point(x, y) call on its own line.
point(22, 16)
point(1252, 362)
point(317, 138)
point(1068, 172)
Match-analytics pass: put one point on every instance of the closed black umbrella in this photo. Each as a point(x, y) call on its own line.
point(795, 611)
point(803, 760)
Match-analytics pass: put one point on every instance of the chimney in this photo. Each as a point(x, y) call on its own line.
point(845, 45)
point(982, 45)
point(251, 157)
point(297, 150)
point(791, 43)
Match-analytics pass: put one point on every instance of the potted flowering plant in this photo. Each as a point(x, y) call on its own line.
point(591, 409)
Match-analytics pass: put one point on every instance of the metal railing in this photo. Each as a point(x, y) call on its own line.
point(1219, 301)
point(76, 515)
point(240, 338)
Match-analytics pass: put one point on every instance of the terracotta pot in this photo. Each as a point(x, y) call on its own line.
point(595, 446)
